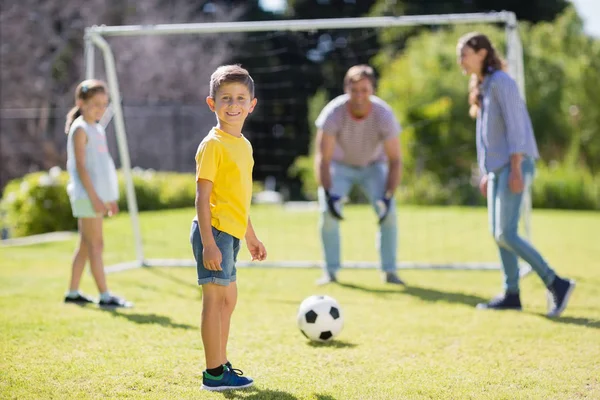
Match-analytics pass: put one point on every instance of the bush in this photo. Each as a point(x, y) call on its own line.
point(566, 188)
point(38, 202)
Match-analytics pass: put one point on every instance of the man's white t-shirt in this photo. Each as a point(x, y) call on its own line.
point(359, 142)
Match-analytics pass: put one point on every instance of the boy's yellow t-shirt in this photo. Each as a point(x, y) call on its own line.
point(227, 162)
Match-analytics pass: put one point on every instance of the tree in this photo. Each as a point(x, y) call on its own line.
point(42, 45)
point(425, 87)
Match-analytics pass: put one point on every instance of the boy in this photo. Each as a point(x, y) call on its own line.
point(223, 193)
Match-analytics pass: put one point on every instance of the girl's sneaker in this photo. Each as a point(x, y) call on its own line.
point(230, 379)
point(79, 299)
point(114, 302)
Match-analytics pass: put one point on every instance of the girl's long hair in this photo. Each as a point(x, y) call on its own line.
point(84, 91)
point(492, 62)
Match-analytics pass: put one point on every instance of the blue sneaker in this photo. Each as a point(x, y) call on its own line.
point(230, 379)
point(559, 293)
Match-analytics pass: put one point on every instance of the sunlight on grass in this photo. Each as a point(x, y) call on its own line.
point(425, 341)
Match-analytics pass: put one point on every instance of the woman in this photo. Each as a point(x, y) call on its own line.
point(506, 153)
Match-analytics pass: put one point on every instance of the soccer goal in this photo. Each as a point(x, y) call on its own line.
point(445, 244)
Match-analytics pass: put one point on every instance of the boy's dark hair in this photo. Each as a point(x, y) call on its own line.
point(230, 74)
point(84, 91)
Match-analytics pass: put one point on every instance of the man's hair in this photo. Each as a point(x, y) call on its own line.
point(359, 72)
point(230, 74)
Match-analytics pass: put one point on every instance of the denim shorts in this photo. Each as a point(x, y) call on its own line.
point(229, 247)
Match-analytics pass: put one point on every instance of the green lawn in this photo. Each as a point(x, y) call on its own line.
point(425, 341)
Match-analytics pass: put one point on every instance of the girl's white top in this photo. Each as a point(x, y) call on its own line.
point(98, 162)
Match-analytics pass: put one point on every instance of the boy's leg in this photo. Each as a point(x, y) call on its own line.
point(373, 183)
point(228, 306)
point(213, 300)
point(342, 179)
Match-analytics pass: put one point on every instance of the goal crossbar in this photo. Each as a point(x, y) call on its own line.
point(95, 37)
point(507, 17)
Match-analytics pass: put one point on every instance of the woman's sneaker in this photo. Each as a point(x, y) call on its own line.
point(559, 293)
point(505, 301)
point(230, 379)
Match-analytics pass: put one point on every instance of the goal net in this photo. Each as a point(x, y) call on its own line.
point(285, 214)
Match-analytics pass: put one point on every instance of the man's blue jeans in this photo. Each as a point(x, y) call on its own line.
point(372, 180)
point(504, 209)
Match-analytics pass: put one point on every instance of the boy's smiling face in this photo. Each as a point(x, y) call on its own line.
point(232, 104)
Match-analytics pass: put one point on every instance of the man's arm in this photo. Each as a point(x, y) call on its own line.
point(325, 145)
point(392, 151)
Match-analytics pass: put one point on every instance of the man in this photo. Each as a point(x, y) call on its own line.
point(358, 144)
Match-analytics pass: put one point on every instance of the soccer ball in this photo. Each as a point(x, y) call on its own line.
point(320, 318)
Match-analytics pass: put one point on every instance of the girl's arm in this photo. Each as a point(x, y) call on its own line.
point(79, 142)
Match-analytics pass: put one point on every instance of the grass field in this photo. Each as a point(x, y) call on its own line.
point(425, 341)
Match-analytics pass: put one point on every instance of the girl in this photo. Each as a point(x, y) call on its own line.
point(93, 189)
point(506, 153)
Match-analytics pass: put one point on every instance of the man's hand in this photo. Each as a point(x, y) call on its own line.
point(383, 207)
point(334, 205)
point(257, 249)
point(212, 258)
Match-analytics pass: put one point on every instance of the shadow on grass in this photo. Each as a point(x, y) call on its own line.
point(146, 319)
point(254, 393)
point(426, 294)
point(587, 322)
point(160, 272)
point(324, 397)
point(334, 344)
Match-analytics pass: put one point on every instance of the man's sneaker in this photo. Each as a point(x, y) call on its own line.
point(392, 277)
point(115, 302)
point(80, 299)
point(559, 293)
point(328, 277)
point(506, 301)
point(230, 379)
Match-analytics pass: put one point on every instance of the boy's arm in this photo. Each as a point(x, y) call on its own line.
point(250, 234)
point(255, 246)
point(203, 190)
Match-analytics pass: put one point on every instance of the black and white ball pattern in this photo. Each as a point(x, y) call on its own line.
point(320, 318)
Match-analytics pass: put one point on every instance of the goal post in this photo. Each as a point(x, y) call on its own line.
point(95, 38)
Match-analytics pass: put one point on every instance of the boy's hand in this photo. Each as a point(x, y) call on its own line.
point(257, 249)
point(113, 208)
point(212, 258)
